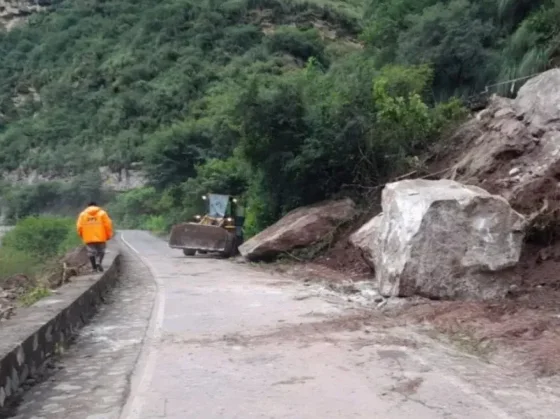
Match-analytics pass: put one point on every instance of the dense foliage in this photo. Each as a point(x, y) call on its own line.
point(283, 102)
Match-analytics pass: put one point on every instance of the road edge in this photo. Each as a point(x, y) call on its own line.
point(144, 368)
point(47, 327)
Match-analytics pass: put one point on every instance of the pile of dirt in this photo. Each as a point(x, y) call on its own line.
point(345, 257)
point(512, 148)
point(532, 335)
point(525, 324)
point(341, 255)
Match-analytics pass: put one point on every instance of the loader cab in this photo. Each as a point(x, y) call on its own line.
point(225, 211)
point(219, 230)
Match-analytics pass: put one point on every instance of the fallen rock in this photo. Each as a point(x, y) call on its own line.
point(76, 258)
point(366, 238)
point(300, 228)
point(442, 240)
point(512, 148)
point(73, 263)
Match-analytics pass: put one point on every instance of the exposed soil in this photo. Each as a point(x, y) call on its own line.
point(527, 322)
point(345, 258)
point(341, 256)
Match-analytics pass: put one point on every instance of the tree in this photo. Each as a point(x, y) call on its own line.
point(454, 41)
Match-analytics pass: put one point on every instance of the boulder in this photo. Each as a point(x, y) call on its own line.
point(538, 100)
point(512, 148)
point(442, 240)
point(300, 228)
point(71, 264)
point(366, 238)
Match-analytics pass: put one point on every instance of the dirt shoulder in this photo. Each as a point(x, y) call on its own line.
point(522, 330)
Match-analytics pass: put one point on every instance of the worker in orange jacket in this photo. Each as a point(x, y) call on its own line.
point(95, 228)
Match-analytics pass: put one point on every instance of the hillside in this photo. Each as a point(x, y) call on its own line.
point(282, 102)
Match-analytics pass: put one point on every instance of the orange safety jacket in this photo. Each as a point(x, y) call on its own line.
point(94, 225)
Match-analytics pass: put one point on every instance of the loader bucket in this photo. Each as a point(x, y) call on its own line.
point(201, 237)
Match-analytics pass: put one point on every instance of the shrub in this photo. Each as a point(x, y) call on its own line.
point(156, 224)
point(42, 238)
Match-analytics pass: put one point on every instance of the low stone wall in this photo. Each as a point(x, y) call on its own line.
point(44, 329)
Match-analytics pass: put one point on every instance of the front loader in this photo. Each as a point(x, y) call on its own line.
point(218, 231)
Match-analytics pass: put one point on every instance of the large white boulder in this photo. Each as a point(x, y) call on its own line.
point(443, 240)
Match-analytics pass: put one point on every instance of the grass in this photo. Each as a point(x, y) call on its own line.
point(34, 294)
point(14, 262)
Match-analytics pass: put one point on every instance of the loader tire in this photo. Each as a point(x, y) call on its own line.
point(189, 252)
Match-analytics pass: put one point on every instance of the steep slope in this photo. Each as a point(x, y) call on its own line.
point(84, 84)
point(14, 13)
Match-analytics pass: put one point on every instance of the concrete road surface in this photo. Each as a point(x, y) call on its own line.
point(227, 341)
point(201, 338)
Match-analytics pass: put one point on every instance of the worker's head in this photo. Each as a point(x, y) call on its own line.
point(92, 204)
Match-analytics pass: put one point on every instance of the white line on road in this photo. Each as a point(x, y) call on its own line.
point(145, 365)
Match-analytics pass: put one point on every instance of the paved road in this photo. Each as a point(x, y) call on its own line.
point(227, 341)
point(230, 342)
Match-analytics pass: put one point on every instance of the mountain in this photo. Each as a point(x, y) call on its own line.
point(88, 82)
point(282, 102)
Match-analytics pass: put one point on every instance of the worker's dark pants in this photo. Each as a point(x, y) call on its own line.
point(96, 253)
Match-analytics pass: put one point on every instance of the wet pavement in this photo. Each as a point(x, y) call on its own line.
point(204, 338)
point(228, 341)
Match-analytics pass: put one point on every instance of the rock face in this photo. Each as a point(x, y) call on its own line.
point(512, 148)
point(124, 180)
point(299, 228)
point(16, 12)
point(442, 240)
point(120, 181)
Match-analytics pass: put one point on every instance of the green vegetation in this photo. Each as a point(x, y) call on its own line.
point(42, 238)
point(13, 262)
point(32, 245)
point(35, 294)
point(281, 102)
